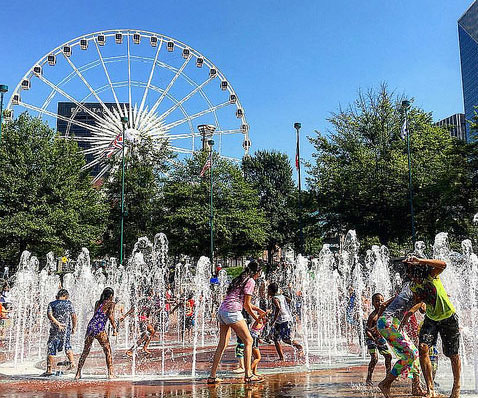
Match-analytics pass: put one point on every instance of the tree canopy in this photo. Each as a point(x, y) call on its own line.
point(238, 221)
point(47, 202)
point(359, 173)
point(270, 174)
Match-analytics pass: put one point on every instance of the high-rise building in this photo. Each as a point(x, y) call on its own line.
point(468, 38)
point(456, 125)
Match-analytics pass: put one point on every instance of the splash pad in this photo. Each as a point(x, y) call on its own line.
point(321, 292)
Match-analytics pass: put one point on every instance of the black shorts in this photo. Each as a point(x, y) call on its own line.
point(282, 332)
point(449, 332)
point(189, 322)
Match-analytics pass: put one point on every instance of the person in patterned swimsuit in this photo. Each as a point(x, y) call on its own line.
point(374, 340)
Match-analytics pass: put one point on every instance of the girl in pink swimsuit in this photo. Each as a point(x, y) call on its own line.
point(229, 316)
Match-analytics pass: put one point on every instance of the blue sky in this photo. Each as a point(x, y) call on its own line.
point(288, 61)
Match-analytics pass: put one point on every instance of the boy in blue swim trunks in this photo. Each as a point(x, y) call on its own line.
point(374, 340)
point(63, 324)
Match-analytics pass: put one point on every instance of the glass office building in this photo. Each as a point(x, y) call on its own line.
point(455, 124)
point(468, 37)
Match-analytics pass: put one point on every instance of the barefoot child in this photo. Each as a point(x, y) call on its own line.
point(440, 318)
point(281, 320)
point(189, 316)
point(104, 310)
point(63, 324)
point(375, 340)
point(147, 311)
point(388, 325)
point(256, 331)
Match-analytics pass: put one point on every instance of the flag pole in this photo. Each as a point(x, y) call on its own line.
point(405, 107)
point(124, 121)
point(297, 127)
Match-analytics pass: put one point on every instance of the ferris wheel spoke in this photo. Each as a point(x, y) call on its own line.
point(102, 173)
point(69, 97)
point(105, 138)
point(57, 116)
point(80, 75)
point(230, 158)
point(181, 150)
point(184, 99)
point(145, 94)
point(107, 74)
point(196, 115)
point(191, 135)
point(96, 150)
point(166, 90)
point(93, 163)
point(155, 123)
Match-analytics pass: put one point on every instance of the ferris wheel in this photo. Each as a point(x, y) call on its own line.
point(88, 87)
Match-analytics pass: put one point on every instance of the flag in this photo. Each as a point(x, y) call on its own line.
point(207, 165)
point(404, 130)
point(297, 158)
point(117, 143)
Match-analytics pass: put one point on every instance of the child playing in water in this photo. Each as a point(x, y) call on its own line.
point(63, 324)
point(104, 310)
point(147, 311)
point(3, 319)
point(256, 330)
point(389, 326)
point(281, 320)
point(187, 309)
point(239, 351)
point(189, 316)
point(374, 340)
point(440, 318)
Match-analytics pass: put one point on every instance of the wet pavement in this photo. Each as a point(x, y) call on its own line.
point(284, 379)
point(346, 382)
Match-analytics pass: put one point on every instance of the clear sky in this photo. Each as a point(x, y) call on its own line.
point(288, 60)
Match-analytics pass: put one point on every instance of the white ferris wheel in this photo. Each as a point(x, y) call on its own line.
point(165, 88)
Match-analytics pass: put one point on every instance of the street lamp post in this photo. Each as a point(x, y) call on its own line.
point(297, 127)
point(124, 122)
point(3, 90)
point(211, 215)
point(405, 108)
point(207, 131)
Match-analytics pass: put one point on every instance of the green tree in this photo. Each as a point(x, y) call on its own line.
point(238, 222)
point(360, 173)
point(270, 174)
point(145, 164)
point(46, 201)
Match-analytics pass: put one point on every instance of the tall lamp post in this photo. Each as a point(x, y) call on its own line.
point(124, 122)
point(3, 90)
point(207, 131)
point(405, 108)
point(297, 127)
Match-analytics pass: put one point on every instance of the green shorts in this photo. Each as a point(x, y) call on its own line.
point(380, 344)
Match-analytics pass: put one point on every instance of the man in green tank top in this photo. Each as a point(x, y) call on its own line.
point(440, 318)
